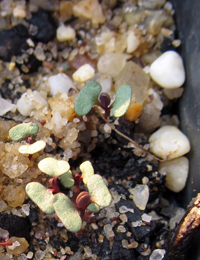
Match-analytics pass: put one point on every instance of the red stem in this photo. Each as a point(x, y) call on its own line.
point(54, 184)
point(6, 244)
point(78, 178)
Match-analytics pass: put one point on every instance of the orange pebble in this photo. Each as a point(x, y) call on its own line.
point(134, 111)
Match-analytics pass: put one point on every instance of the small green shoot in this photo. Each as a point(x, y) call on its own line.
point(70, 211)
point(67, 212)
point(32, 148)
point(41, 196)
point(23, 130)
point(90, 95)
point(53, 167)
point(122, 100)
point(87, 98)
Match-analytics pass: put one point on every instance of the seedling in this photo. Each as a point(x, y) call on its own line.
point(22, 131)
point(73, 211)
point(26, 130)
point(90, 95)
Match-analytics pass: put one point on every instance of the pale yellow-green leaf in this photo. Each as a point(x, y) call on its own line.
point(53, 167)
point(32, 148)
point(87, 170)
point(41, 196)
point(67, 179)
point(67, 212)
point(98, 191)
point(122, 100)
point(23, 130)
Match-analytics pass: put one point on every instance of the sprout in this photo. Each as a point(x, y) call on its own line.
point(23, 130)
point(87, 98)
point(53, 167)
point(71, 213)
point(32, 148)
point(90, 95)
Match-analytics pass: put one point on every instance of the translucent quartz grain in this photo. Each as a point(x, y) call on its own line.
point(157, 254)
point(72, 135)
point(133, 75)
point(14, 196)
point(108, 231)
point(140, 195)
point(112, 63)
point(19, 246)
point(89, 9)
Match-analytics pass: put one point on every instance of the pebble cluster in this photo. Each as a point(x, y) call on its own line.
point(58, 47)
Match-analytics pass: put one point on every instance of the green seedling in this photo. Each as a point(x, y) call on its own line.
point(26, 130)
point(91, 95)
point(22, 131)
point(71, 212)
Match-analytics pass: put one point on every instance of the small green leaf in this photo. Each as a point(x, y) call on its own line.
point(23, 130)
point(93, 207)
point(41, 196)
point(67, 212)
point(98, 191)
point(122, 100)
point(87, 98)
point(32, 148)
point(53, 167)
point(67, 179)
point(87, 170)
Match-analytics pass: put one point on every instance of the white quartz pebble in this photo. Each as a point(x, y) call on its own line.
point(176, 171)
point(84, 73)
point(168, 70)
point(169, 142)
point(29, 101)
point(65, 33)
point(140, 195)
point(5, 106)
point(132, 42)
point(60, 82)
